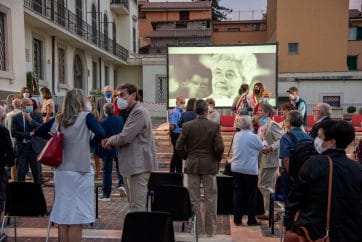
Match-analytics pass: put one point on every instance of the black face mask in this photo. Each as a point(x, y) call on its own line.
point(256, 91)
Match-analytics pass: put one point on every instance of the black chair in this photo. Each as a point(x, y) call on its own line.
point(162, 178)
point(24, 199)
point(148, 226)
point(176, 201)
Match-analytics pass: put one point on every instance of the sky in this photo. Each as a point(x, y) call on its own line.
point(251, 9)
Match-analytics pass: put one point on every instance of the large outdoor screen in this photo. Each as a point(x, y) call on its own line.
point(218, 71)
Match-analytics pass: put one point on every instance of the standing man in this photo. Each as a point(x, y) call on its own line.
point(107, 98)
point(270, 133)
point(136, 147)
point(298, 102)
point(112, 125)
point(201, 144)
point(175, 131)
point(27, 146)
point(321, 113)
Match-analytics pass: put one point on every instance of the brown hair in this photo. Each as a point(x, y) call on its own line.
point(287, 107)
point(46, 93)
point(190, 106)
point(23, 90)
point(131, 88)
point(243, 89)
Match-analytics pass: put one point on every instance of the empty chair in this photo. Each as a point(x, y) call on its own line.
point(148, 226)
point(24, 199)
point(176, 201)
point(163, 178)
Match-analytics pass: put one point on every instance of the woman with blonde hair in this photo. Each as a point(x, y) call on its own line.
point(74, 178)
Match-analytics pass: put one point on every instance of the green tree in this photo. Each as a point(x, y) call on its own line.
point(219, 12)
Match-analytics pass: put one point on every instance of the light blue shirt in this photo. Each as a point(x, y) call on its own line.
point(175, 117)
point(246, 148)
point(302, 108)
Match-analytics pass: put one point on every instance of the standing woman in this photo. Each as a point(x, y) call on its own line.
point(48, 107)
point(74, 178)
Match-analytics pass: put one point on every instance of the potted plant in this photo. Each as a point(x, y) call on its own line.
point(350, 111)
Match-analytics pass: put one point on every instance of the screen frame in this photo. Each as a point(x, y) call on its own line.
point(276, 44)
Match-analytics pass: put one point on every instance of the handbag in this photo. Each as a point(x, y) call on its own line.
point(302, 234)
point(52, 153)
point(227, 168)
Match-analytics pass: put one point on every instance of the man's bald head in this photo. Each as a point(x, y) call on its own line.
point(26, 102)
point(16, 103)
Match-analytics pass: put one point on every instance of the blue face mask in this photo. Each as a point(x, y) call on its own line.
point(29, 109)
point(263, 121)
point(108, 94)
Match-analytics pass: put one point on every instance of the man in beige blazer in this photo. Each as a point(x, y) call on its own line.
point(270, 133)
point(201, 145)
point(136, 147)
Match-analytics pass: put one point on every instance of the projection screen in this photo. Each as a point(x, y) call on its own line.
point(218, 71)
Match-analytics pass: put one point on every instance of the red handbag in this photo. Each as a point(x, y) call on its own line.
point(52, 153)
point(303, 234)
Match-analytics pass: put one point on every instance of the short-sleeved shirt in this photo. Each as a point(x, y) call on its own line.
point(287, 144)
point(175, 117)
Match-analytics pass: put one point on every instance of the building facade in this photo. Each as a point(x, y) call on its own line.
point(66, 43)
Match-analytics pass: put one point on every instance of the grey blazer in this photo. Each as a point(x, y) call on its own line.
point(136, 143)
point(273, 133)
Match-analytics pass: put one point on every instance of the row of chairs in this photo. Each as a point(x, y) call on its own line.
point(167, 196)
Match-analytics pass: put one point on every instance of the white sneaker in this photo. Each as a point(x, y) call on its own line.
point(122, 191)
point(104, 199)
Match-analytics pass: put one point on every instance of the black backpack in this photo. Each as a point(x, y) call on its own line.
point(302, 151)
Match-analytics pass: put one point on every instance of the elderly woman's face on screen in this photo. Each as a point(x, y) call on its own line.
point(226, 79)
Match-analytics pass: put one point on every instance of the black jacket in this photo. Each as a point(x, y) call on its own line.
point(309, 195)
point(7, 155)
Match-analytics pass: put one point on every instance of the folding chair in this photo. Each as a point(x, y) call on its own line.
point(162, 178)
point(24, 199)
point(148, 226)
point(176, 201)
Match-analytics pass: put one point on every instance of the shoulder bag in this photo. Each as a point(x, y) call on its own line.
point(302, 234)
point(52, 153)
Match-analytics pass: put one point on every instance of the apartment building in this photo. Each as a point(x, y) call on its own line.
point(66, 43)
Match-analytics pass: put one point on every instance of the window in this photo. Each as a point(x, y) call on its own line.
point(114, 36)
point(61, 65)
point(79, 14)
point(38, 58)
point(256, 27)
point(38, 6)
point(293, 48)
point(355, 33)
point(233, 29)
point(2, 42)
point(94, 24)
point(106, 76)
point(142, 15)
point(352, 62)
point(184, 15)
point(161, 89)
point(181, 26)
point(105, 27)
point(115, 79)
point(334, 101)
point(94, 75)
point(134, 39)
point(60, 12)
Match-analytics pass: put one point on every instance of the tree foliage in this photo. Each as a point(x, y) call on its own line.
point(219, 12)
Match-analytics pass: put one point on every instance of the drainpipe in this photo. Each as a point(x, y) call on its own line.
point(100, 73)
point(53, 64)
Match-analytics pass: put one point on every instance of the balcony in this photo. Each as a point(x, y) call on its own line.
point(69, 21)
point(120, 7)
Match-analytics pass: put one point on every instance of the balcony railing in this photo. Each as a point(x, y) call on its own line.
point(124, 2)
point(63, 17)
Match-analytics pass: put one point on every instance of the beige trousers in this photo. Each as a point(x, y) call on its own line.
point(136, 189)
point(210, 187)
point(266, 184)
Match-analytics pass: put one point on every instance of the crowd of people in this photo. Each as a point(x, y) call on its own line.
point(117, 128)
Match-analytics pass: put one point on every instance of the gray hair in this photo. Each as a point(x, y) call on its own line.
point(243, 122)
point(201, 107)
point(325, 109)
point(108, 109)
point(267, 108)
point(295, 118)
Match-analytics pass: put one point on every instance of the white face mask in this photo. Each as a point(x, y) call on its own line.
point(209, 109)
point(318, 142)
point(182, 106)
point(88, 106)
point(122, 103)
point(26, 95)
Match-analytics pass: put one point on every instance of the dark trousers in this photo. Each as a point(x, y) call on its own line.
point(3, 181)
point(25, 157)
point(176, 160)
point(244, 196)
point(107, 175)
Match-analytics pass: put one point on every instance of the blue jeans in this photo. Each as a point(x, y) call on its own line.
point(107, 175)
